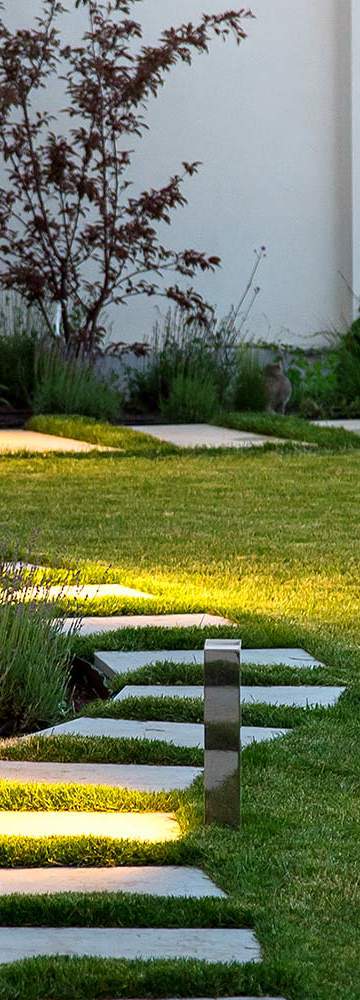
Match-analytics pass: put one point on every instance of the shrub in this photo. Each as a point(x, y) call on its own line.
point(314, 384)
point(247, 390)
point(191, 397)
point(64, 384)
point(348, 366)
point(34, 657)
point(183, 355)
point(330, 385)
point(20, 330)
point(190, 366)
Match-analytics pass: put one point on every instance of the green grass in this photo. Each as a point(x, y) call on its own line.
point(167, 672)
point(84, 852)
point(50, 979)
point(119, 910)
point(24, 796)
point(102, 749)
point(192, 710)
point(128, 442)
point(292, 428)
point(271, 540)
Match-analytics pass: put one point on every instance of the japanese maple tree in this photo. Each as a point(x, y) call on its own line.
point(72, 233)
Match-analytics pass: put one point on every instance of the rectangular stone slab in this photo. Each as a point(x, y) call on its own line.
point(181, 734)
point(142, 777)
point(145, 827)
point(84, 591)
point(302, 696)
point(206, 436)
point(93, 625)
point(153, 881)
point(113, 663)
point(207, 945)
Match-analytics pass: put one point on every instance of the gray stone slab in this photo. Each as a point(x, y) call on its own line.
point(22, 440)
point(206, 436)
point(302, 696)
point(142, 777)
point(207, 945)
point(155, 827)
point(99, 624)
point(181, 734)
point(83, 592)
point(113, 663)
point(352, 425)
point(167, 880)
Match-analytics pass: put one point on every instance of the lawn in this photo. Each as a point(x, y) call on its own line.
point(271, 540)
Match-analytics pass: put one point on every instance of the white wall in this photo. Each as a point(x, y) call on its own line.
point(271, 122)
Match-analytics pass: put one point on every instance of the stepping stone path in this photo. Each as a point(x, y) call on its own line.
point(181, 734)
point(207, 944)
point(93, 625)
point(207, 436)
point(145, 827)
point(19, 440)
point(189, 883)
point(301, 697)
point(141, 778)
point(84, 591)
point(111, 664)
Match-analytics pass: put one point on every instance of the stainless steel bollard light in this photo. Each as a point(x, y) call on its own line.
point(222, 731)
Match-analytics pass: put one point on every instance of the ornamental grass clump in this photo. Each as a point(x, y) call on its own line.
point(34, 654)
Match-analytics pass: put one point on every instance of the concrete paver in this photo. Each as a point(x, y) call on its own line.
point(206, 436)
point(149, 827)
point(347, 424)
point(211, 944)
point(140, 777)
point(95, 624)
point(181, 734)
point(161, 880)
point(113, 663)
point(20, 440)
point(302, 696)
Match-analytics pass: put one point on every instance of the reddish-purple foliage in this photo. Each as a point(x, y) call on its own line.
point(66, 207)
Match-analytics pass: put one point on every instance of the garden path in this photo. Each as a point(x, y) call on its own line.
point(209, 944)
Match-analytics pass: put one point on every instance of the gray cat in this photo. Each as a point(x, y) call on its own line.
point(277, 387)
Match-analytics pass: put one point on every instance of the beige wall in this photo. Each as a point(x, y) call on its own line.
point(271, 122)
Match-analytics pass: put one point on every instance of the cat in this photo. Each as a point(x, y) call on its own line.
point(278, 388)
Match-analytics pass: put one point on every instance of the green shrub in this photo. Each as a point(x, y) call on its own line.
point(64, 384)
point(247, 390)
point(20, 330)
point(34, 657)
point(192, 397)
point(330, 385)
point(348, 367)
point(184, 356)
point(315, 389)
